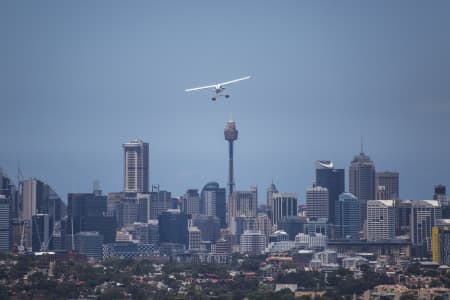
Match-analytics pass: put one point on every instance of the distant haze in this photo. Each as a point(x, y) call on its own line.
point(79, 78)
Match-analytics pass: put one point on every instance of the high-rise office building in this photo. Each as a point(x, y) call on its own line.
point(209, 227)
point(9, 190)
point(129, 207)
point(264, 224)
point(333, 180)
point(242, 204)
point(283, 205)
point(402, 217)
point(252, 242)
point(213, 202)
point(136, 167)
point(293, 226)
point(440, 192)
point(143, 207)
point(36, 197)
point(89, 243)
point(241, 224)
point(318, 225)
point(317, 202)
point(173, 227)
point(231, 134)
point(347, 217)
point(88, 212)
point(190, 203)
point(387, 185)
point(441, 242)
point(5, 225)
point(270, 191)
point(380, 220)
point(160, 201)
point(361, 180)
point(195, 239)
point(424, 214)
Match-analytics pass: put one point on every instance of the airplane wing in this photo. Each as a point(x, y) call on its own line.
point(233, 81)
point(200, 88)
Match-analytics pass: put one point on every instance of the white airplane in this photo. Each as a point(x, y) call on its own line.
point(217, 88)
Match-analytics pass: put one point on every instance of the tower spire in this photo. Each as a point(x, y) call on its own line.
point(362, 145)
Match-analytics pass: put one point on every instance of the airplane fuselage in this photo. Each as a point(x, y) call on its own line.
point(219, 88)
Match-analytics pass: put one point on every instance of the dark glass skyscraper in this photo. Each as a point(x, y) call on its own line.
point(87, 211)
point(173, 227)
point(387, 185)
point(292, 225)
point(347, 217)
point(213, 202)
point(332, 179)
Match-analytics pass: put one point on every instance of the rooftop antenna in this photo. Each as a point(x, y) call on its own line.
point(362, 145)
point(19, 173)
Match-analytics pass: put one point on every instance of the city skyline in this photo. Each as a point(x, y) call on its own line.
point(77, 83)
point(302, 198)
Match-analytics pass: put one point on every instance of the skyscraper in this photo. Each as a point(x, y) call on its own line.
point(424, 214)
point(270, 191)
point(136, 161)
point(173, 227)
point(87, 211)
point(347, 217)
point(292, 226)
point(5, 225)
point(9, 190)
point(213, 202)
point(159, 202)
point(332, 179)
point(190, 202)
point(387, 185)
point(283, 205)
point(380, 220)
point(89, 243)
point(317, 202)
point(36, 197)
point(194, 238)
point(402, 217)
point(242, 204)
point(440, 193)
point(252, 242)
point(361, 182)
point(441, 242)
point(209, 227)
point(231, 134)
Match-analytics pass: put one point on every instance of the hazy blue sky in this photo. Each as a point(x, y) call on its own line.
point(79, 78)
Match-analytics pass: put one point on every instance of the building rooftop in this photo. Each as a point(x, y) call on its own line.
point(389, 203)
